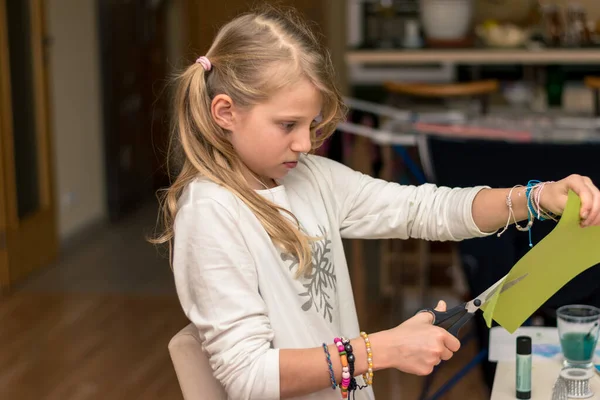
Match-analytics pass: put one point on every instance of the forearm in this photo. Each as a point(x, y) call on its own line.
point(490, 211)
point(305, 371)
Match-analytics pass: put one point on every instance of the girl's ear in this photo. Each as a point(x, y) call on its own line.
point(222, 111)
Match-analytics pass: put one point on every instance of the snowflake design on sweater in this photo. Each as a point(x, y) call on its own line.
point(322, 283)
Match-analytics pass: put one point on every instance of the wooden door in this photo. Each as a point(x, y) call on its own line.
point(133, 56)
point(28, 234)
point(203, 19)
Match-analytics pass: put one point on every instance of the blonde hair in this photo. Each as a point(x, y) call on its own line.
point(243, 55)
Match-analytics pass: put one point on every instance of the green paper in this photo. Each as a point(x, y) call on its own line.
point(562, 255)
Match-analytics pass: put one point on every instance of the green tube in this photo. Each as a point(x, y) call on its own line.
point(523, 367)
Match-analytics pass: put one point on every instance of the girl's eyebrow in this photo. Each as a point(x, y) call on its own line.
point(295, 117)
point(291, 117)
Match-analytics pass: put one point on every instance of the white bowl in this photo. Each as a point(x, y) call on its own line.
point(446, 19)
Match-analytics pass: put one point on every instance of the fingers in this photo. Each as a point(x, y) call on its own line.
point(446, 355)
point(441, 306)
point(428, 316)
point(451, 342)
point(424, 345)
point(425, 316)
point(446, 347)
point(578, 185)
point(593, 217)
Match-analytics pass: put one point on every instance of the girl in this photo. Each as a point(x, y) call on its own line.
point(257, 223)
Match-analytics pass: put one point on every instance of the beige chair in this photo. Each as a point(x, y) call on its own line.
point(193, 371)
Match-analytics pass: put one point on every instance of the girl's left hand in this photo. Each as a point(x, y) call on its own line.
point(554, 198)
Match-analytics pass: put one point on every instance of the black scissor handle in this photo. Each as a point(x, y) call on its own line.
point(455, 329)
point(451, 320)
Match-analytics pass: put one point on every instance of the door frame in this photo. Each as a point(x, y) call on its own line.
point(30, 242)
point(6, 156)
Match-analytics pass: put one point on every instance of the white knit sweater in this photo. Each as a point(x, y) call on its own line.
point(240, 290)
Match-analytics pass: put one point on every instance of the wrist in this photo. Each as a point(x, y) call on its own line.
point(381, 350)
point(543, 196)
point(519, 203)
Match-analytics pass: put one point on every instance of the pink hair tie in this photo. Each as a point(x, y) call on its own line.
point(205, 62)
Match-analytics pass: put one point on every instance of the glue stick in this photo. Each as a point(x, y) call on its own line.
point(523, 367)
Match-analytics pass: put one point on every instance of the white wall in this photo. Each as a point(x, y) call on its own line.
point(76, 107)
point(75, 101)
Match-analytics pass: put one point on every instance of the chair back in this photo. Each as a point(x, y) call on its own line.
point(193, 370)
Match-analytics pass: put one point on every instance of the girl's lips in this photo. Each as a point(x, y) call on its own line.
point(291, 164)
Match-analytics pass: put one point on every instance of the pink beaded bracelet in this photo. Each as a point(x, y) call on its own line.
point(345, 369)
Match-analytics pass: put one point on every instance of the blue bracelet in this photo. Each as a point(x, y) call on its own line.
point(331, 374)
point(530, 185)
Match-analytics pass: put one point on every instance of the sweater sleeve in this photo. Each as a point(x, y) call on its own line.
point(372, 208)
point(217, 285)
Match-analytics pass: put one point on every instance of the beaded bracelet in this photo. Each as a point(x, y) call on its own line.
point(345, 368)
point(330, 366)
point(368, 376)
point(350, 355)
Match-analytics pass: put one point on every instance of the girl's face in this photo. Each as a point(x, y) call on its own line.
point(270, 136)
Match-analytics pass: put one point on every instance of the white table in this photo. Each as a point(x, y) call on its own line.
point(543, 376)
point(546, 365)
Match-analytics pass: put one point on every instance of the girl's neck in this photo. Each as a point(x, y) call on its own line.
point(257, 182)
point(260, 183)
point(265, 183)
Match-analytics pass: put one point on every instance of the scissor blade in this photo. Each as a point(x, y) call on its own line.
point(485, 296)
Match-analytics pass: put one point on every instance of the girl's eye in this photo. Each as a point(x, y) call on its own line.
point(288, 126)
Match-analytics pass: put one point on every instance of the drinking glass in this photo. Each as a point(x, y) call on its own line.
point(578, 331)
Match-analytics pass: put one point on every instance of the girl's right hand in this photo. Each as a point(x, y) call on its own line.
point(417, 346)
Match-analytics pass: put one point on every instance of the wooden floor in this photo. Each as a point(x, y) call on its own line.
point(85, 329)
point(79, 347)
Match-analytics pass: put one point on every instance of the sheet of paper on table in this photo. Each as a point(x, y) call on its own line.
point(545, 344)
point(543, 377)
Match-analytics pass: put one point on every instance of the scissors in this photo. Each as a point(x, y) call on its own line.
point(455, 318)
